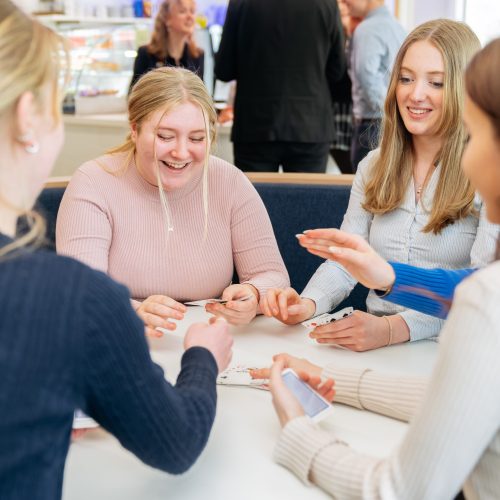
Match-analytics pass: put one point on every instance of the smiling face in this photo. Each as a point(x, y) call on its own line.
point(180, 141)
point(481, 159)
point(181, 18)
point(419, 92)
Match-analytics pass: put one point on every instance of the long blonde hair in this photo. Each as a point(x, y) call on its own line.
point(393, 168)
point(164, 89)
point(158, 43)
point(31, 57)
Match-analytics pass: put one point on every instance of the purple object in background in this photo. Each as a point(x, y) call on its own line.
point(220, 15)
point(216, 14)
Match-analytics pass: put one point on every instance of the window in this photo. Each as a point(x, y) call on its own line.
point(483, 16)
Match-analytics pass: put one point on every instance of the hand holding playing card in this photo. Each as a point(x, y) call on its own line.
point(300, 365)
point(286, 305)
point(359, 332)
point(157, 310)
point(214, 337)
point(241, 306)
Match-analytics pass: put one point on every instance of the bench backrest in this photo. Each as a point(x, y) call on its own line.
point(48, 205)
point(292, 208)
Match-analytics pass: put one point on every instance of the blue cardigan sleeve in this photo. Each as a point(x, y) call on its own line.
point(426, 290)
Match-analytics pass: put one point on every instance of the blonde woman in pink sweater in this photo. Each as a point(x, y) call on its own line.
point(165, 218)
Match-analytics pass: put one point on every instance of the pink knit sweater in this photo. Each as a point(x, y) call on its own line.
point(115, 223)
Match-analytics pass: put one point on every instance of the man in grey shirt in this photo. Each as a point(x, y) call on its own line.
point(373, 48)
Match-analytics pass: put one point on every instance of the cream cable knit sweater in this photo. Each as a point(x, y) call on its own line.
point(454, 436)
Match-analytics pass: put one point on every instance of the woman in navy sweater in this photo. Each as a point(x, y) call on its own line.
point(68, 335)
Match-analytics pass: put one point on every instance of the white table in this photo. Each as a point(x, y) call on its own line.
point(237, 462)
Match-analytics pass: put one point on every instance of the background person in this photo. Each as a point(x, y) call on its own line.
point(172, 41)
point(373, 48)
point(68, 336)
point(340, 149)
point(285, 56)
point(410, 199)
point(453, 439)
point(165, 218)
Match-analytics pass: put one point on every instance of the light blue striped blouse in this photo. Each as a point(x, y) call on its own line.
point(397, 236)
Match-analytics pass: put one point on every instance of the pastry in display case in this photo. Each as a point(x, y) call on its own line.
point(102, 59)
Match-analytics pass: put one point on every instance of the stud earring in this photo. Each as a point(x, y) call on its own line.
point(30, 145)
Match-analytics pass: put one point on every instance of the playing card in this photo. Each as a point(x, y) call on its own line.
point(240, 375)
point(204, 302)
point(215, 301)
point(324, 319)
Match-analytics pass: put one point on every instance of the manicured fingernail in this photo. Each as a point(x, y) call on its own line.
point(299, 235)
point(306, 231)
point(335, 250)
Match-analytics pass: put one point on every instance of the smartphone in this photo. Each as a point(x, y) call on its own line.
point(315, 406)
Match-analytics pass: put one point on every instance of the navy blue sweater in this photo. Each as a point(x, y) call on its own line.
point(70, 339)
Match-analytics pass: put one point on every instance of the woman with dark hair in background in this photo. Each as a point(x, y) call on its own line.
point(172, 42)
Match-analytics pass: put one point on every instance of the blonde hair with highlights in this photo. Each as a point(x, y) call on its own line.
point(158, 44)
point(163, 89)
point(393, 168)
point(32, 56)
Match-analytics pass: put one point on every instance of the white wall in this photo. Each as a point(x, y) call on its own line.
point(414, 12)
point(483, 16)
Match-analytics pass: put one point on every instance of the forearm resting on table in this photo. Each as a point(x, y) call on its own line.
point(400, 330)
point(390, 395)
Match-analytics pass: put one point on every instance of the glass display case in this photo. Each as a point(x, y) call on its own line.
point(102, 59)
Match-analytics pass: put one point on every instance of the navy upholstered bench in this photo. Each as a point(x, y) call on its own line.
point(292, 208)
point(48, 205)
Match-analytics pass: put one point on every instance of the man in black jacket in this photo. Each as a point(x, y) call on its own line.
point(284, 55)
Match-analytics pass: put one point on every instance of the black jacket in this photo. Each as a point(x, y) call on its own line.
point(145, 62)
point(285, 56)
